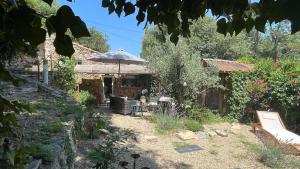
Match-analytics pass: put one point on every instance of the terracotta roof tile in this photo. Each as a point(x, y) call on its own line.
point(228, 66)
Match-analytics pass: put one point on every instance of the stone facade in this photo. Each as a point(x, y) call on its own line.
point(47, 50)
point(81, 52)
point(93, 86)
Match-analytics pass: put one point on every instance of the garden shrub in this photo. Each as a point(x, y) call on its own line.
point(211, 117)
point(194, 112)
point(42, 106)
point(203, 115)
point(192, 125)
point(271, 85)
point(272, 156)
point(42, 151)
point(53, 127)
point(104, 155)
point(71, 109)
point(85, 98)
point(93, 124)
point(166, 123)
point(64, 76)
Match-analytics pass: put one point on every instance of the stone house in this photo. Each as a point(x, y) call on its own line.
point(99, 78)
point(106, 79)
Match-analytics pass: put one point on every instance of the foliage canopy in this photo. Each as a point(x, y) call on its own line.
point(179, 67)
point(97, 41)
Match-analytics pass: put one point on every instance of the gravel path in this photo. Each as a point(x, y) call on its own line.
point(219, 152)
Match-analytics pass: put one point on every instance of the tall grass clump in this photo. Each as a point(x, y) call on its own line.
point(273, 156)
point(166, 123)
point(204, 115)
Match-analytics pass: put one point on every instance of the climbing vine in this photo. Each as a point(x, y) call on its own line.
point(239, 96)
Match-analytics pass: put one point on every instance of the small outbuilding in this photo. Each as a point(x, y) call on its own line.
point(113, 74)
point(215, 98)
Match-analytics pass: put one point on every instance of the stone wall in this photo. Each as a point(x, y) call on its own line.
point(47, 50)
point(95, 87)
point(125, 91)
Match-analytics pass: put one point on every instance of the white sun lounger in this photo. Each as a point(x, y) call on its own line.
point(271, 124)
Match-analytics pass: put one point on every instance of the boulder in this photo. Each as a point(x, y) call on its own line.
point(201, 134)
point(151, 138)
point(221, 133)
point(235, 128)
point(186, 135)
point(34, 164)
point(211, 133)
point(234, 131)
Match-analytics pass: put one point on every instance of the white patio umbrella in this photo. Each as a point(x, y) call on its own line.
point(119, 56)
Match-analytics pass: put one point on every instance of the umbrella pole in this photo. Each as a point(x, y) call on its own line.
point(119, 68)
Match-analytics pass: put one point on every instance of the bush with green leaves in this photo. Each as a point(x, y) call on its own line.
point(202, 114)
point(53, 127)
point(72, 108)
point(192, 125)
point(104, 155)
point(166, 123)
point(272, 156)
point(274, 85)
point(42, 151)
point(84, 97)
point(64, 75)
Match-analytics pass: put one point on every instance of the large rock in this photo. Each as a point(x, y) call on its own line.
point(151, 138)
point(34, 164)
point(186, 135)
point(235, 128)
point(221, 133)
point(212, 133)
point(201, 134)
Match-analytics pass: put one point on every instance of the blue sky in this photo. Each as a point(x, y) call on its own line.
point(121, 32)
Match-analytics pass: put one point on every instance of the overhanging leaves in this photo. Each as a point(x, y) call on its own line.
point(78, 28)
point(239, 14)
point(48, 2)
point(222, 26)
point(63, 20)
point(128, 8)
point(63, 45)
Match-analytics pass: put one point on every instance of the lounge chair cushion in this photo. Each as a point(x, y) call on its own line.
point(285, 136)
point(271, 122)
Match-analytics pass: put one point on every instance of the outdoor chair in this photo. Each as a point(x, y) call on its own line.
point(136, 108)
point(272, 128)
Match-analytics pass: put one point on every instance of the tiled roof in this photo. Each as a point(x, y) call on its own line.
point(228, 66)
point(112, 69)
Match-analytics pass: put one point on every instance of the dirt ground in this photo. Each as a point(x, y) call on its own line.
point(219, 152)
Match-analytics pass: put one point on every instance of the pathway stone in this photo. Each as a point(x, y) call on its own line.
point(186, 135)
point(201, 134)
point(221, 133)
point(151, 138)
point(235, 128)
point(34, 164)
point(212, 133)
